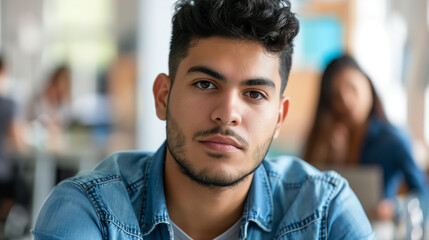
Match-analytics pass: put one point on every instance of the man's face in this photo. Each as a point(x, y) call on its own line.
point(223, 110)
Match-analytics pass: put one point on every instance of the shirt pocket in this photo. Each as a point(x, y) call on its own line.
point(309, 228)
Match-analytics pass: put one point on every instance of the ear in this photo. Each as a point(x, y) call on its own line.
point(283, 111)
point(161, 90)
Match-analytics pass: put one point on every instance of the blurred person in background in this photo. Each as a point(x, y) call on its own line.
point(50, 110)
point(122, 77)
point(351, 128)
point(12, 137)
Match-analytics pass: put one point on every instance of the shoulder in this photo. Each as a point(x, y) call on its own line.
point(290, 170)
point(293, 180)
point(387, 134)
point(306, 198)
point(392, 142)
point(117, 178)
point(67, 209)
point(6, 105)
point(4, 100)
point(127, 167)
point(91, 198)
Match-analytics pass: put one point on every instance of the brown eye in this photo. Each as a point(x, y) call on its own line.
point(205, 85)
point(255, 95)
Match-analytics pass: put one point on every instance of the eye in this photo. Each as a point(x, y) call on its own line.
point(205, 85)
point(255, 95)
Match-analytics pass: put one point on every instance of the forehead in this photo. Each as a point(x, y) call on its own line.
point(348, 77)
point(348, 74)
point(236, 59)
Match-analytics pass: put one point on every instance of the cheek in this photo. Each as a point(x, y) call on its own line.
point(261, 124)
point(366, 104)
point(339, 106)
point(189, 112)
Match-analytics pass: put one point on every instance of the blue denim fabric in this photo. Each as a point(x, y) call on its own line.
point(390, 148)
point(123, 198)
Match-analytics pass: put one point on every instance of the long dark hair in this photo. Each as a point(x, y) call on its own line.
point(333, 68)
point(324, 107)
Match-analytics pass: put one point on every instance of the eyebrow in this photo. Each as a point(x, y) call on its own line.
point(259, 82)
point(250, 82)
point(208, 71)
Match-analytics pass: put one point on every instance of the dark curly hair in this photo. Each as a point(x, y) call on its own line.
point(269, 22)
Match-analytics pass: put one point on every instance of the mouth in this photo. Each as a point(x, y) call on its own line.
point(222, 144)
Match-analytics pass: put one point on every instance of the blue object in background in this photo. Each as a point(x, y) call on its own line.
point(320, 40)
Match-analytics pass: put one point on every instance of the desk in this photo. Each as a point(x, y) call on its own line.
point(384, 230)
point(408, 226)
point(81, 154)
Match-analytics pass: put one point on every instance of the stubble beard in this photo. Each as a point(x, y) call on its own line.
point(176, 144)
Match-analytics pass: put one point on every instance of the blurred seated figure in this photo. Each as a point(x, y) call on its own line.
point(50, 110)
point(11, 135)
point(6, 168)
point(351, 128)
point(122, 81)
point(93, 120)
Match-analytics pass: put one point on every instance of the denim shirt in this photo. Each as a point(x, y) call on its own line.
point(123, 198)
point(389, 147)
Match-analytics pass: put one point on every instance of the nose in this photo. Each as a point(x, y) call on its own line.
point(345, 103)
point(227, 110)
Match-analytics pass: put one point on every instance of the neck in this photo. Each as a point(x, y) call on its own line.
point(359, 129)
point(200, 211)
point(356, 139)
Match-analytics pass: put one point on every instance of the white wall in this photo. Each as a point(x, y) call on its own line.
point(379, 39)
point(153, 46)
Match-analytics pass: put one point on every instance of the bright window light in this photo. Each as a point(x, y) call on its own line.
point(427, 13)
point(426, 123)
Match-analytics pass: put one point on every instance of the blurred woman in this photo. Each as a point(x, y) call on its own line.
point(50, 109)
point(351, 128)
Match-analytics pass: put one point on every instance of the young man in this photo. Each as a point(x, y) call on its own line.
point(229, 63)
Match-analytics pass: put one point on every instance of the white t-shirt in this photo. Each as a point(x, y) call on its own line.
point(231, 234)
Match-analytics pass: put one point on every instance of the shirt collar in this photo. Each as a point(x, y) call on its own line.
point(259, 203)
point(154, 207)
point(258, 207)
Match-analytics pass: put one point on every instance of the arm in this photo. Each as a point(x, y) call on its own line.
point(16, 129)
point(18, 132)
point(68, 214)
point(413, 175)
point(346, 218)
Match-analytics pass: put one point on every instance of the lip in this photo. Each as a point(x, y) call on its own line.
point(221, 144)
